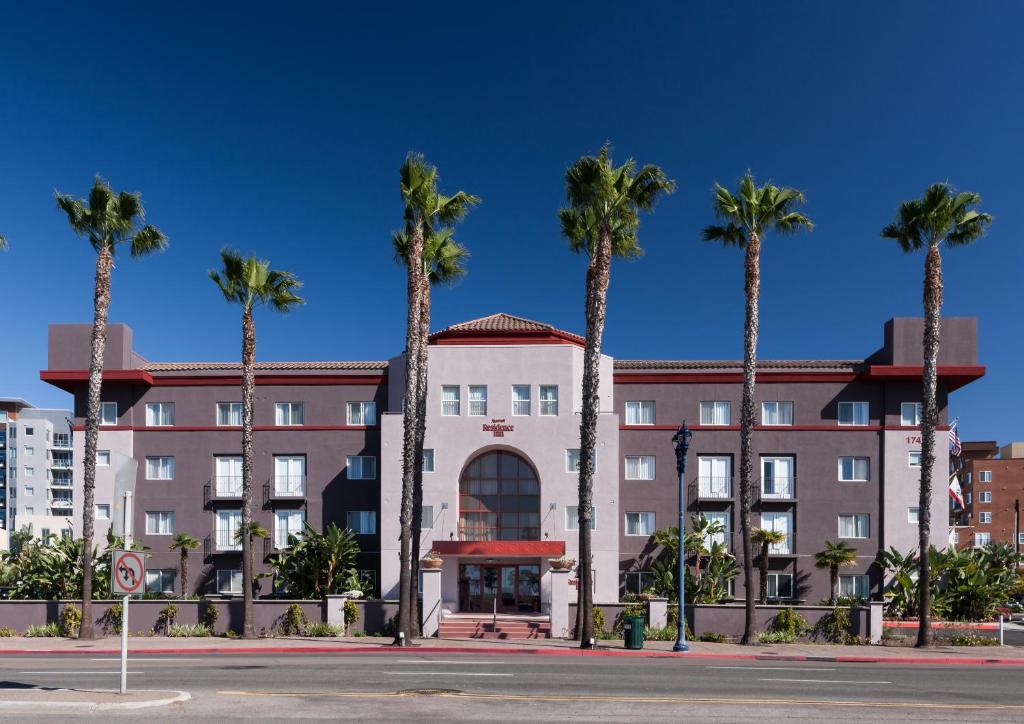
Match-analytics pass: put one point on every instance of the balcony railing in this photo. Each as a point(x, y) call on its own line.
point(61, 442)
point(777, 488)
point(62, 503)
point(61, 483)
point(227, 486)
point(224, 541)
point(785, 548)
point(61, 462)
point(289, 486)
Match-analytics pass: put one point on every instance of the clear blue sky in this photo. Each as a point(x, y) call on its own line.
point(282, 133)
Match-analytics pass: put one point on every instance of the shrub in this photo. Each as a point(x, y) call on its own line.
point(322, 630)
point(209, 617)
point(835, 627)
point(229, 634)
point(598, 619)
point(70, 621)
point(292, 621)
point(668, 633)
point(351, 613)
point(48, 631)
point(359, 634)
point(166, 619)
point(180, 631)
point(713, 637)
point(110, 621)
point(970, 638)
point(789, 622)
point(7, 632)
point(775, 637)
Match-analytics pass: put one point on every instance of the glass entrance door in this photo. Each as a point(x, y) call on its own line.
point(490, 588)
point(516, 588)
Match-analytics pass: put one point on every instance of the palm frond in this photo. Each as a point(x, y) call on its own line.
point(248, 280)
point(940, 215)
point(147, 240)
point(729, 235)
point(3, 242)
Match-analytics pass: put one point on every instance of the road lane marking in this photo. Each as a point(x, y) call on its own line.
point(444, 673)
point(136, 658)
point(828, 681)
point(79, 672)
point(771, 668)
point(440, 661)
point(634, 699)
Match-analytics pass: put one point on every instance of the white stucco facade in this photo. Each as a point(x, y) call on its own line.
point(541, 440)
point(902, 483)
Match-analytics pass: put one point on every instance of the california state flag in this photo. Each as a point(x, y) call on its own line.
point(954, 490)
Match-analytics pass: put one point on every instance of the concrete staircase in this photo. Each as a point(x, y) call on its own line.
point(484, 628)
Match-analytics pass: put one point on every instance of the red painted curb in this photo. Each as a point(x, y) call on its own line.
point(945, 660)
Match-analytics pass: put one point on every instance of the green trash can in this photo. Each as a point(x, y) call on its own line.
point(633, 631)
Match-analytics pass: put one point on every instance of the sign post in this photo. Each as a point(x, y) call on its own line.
point(128, 572)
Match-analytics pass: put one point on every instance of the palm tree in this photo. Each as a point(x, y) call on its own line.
point(600, 220)
point(766, 539)
point(430, 255)
point(184, 543)
point(250, 281)
point(940, 216)
point(255, 531)
point(3, 243)
point(108, 219)
point(834, 556)
point(748, 216)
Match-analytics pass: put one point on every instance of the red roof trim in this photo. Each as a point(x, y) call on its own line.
point(507, 337)
point(500, 548)
point(67, 379)
point(639, 378)
point(782, 428)
point(230, 428)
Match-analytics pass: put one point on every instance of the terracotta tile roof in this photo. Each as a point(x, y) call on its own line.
point(502, 322)
point(713, 365)
point(230, 366)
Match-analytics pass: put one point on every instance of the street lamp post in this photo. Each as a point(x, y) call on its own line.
point(681, 440)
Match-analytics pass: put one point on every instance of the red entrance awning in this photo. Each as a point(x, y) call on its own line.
point(496, 548)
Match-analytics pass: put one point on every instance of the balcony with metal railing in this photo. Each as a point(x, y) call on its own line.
point(61, 441)
point(61, 461)
point(61, 503)
point(710, 488)
point(777, 488)
point(282, 488)
point(61, 482)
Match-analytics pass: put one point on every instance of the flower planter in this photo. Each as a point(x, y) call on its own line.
point(431, 563)
point(560, 564)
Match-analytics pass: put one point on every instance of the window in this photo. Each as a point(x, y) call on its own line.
point(780, 585)
point(30, 490)
point(914, 458)
point(984, 476)
point(229, 413)
point(910, 414)
point(228, 524)
point(286, 523)
point(982, 539)
point(969, 478)
point(428, 460)
point(1020, 538)
point(29, 510)
point(44, 535)
point(853, 413)
point(159, 414)
point(639, 467)
point(572, 460)
point(639, 581)
point(29, 471)
point(640, 413)
point(362, 413)
point(108, 413)
point(289, 475)
point(160, 468)
point(855, 586)
point(853, 469)
point(854, 526)
point(640, 524)
point(776, 413)
point(102, 511)
point(28, 430)
point(426, 517)
point(450, 401)
point(549, 400)
point(777, 479)
point(499, 499)
point(288, 413)
point(160, 580)
point(985, 496)
point(160, 522)
point(229, 580)
point(913, 514)
point(985, 517)
point(520, 400)
point(478, 400)
point(724, 537)
point(228, 475)
point(714, 476)
point(967, 499)
point(363, 522)
point(780, 523)
point(715, 413)
point(30, 450)
point(361, 467)
point(572, 517)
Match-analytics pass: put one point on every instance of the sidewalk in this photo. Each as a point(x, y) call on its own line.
point(1006, 655)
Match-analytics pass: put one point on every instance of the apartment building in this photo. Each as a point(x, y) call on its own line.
point(992, 481)
point(837, 448)
point(36, 460)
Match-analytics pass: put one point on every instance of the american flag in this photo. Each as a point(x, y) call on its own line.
point(954, 439)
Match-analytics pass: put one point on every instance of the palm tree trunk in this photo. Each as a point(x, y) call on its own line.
point(929, 419)
point(752, 291)
point(763, 566)
point(421, 432)
point(414, 286)
point(598, 276)
point(184, 573)
point(101, 309)
point(833, 578)
point(248, 389)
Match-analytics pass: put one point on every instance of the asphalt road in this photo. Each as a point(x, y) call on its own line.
point(435, 687)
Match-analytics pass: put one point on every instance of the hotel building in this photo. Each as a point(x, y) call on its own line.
point(837, 447)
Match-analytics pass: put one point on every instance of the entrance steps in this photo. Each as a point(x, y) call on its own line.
point(463, 627)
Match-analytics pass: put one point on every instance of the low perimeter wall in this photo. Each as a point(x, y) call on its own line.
point(143, 614)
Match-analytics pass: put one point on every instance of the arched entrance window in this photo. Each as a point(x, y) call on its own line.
point(499, 499)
